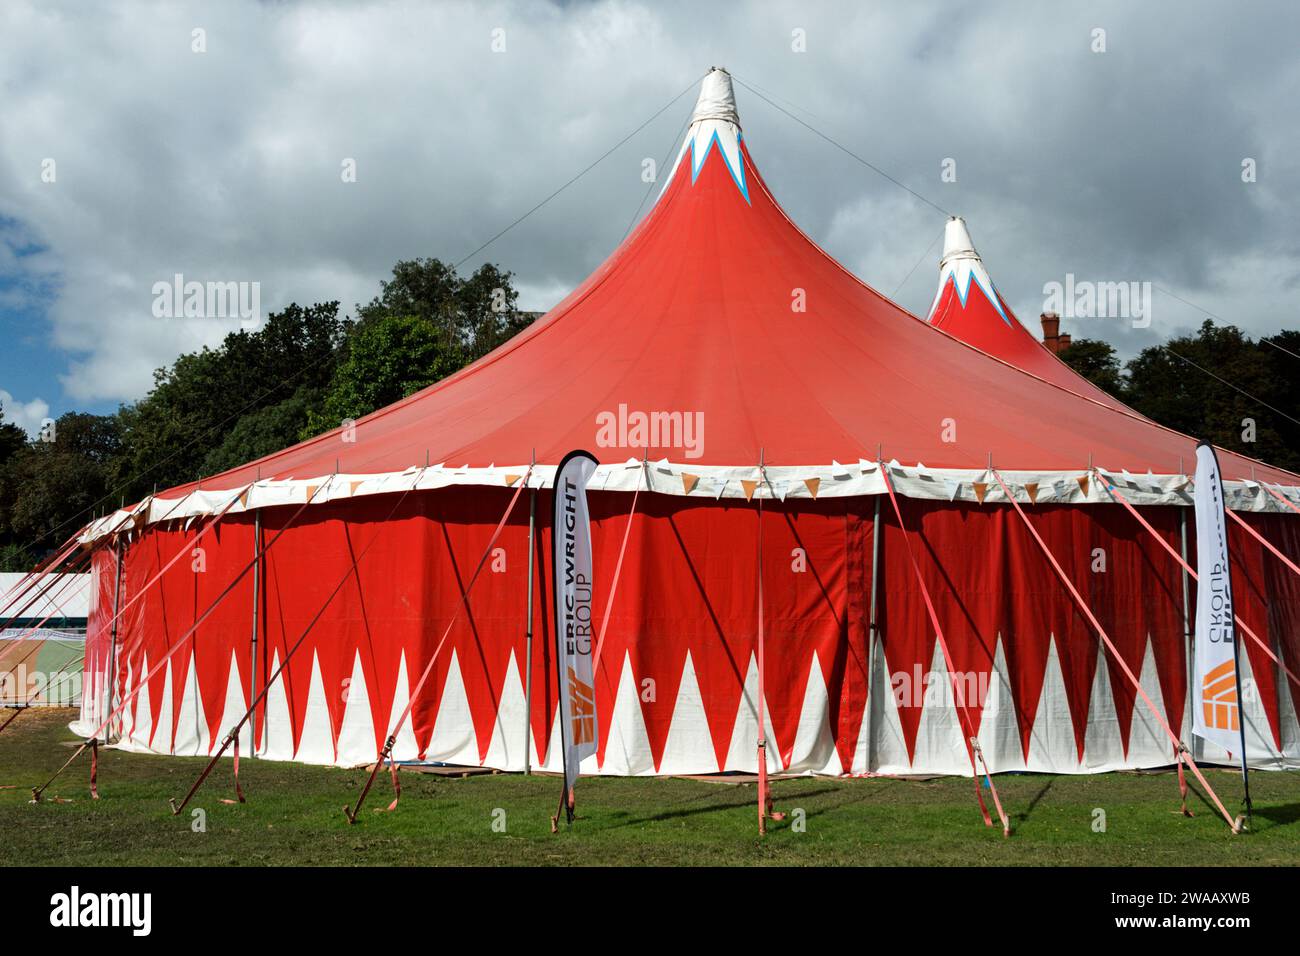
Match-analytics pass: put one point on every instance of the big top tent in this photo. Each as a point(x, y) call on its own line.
point(738, 385)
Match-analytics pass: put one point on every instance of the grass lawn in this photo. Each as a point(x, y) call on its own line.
point(294, 816)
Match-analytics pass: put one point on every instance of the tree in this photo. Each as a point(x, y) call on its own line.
point(51, 488)
point(12, 438)
point(1097, 362)
point(388, 358)
point(474, 315)
point(196, 405)
point(1218, 385)
point(264, 431)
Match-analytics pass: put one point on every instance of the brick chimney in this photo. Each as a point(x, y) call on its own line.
point(1052, 332)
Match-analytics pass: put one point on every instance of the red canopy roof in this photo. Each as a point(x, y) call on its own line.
point(718, 307)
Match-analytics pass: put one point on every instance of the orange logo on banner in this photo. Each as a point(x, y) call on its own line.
point(1219, 697)
point(582, 705)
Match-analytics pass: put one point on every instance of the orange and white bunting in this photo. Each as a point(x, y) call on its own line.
point(812, 484)
point(981, 489)
point(689, 482)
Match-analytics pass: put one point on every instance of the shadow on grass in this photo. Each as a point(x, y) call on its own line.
point(715, 805)
point(1023, 816)
point(1279, 816)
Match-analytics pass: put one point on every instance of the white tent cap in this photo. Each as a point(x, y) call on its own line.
point(957, 243)
point(717, 99)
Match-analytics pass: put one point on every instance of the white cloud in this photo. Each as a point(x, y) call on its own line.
point(29, 416)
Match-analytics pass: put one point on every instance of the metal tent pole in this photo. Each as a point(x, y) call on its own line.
point(257, 607)
point(111, 675)
point(528, 639)
point(872, 631)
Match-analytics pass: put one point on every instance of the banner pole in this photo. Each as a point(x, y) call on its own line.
point(559, 681)
point(1236, 670)
point(528, 630)
point(1241, 721)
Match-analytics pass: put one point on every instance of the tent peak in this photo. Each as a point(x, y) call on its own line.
point(957, 243)
point(717, 99)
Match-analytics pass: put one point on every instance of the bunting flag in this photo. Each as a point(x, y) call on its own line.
point(981, 489)
point(812, 484)
point(1031, 489)
point(511, 479)
point(750, 487)
point(1083, 483)
point(571, 572)
point(689, 482)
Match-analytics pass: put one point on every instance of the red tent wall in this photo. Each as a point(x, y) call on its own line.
point(676, 685)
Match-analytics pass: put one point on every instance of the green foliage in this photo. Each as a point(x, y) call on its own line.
point(427, 323)
point(1184, 385)
point(1097, 362)
point(197, 403)
point(14, 557)
point(473, 315)
point(46, 485)
point(388, 358)
point(12, 438)
point(264, 431)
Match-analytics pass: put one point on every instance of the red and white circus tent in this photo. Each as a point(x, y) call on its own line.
point(716, 360)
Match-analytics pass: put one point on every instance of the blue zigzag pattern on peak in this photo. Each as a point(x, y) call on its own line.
point(989, 293)
point(737, 176)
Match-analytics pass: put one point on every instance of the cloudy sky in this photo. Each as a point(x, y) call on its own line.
point(225, 163)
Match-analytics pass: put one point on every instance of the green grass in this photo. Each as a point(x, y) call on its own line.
point(294, 816)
